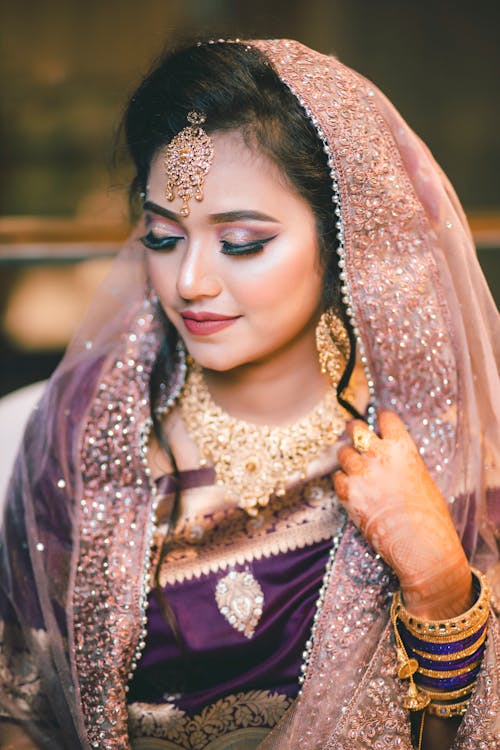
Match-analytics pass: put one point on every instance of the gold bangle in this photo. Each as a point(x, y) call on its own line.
point(445, 673)
point(446, 712)
point(457, 655)
point(449, 637)
point(444, 639)
point(441, 630)
point(433, 694)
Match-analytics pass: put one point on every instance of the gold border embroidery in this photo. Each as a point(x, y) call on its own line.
point(306, 515)
point(256, 709)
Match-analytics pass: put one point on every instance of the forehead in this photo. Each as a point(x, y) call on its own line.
point(240, 176)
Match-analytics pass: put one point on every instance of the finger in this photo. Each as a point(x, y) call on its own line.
point(374, 440)
point(351, 461)
point(341, 485)
point(353, 423)
point(391, 426)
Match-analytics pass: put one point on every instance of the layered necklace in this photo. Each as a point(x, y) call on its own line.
point(254, 462)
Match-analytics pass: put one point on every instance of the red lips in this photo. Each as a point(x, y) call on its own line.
point(205, 323)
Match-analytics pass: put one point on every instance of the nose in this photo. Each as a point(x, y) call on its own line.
point(196, 275)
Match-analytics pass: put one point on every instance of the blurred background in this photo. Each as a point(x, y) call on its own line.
point(67, 67)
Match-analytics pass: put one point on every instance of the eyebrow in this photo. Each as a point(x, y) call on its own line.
point(222, 218)
point(229, 216)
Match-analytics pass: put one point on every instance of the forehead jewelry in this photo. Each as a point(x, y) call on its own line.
point(187, 159)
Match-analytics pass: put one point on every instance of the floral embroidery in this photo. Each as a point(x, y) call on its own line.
point(115, 504)
point(376, 714)
point(257, 709)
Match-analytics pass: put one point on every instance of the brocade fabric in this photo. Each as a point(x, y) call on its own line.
point(221, 683)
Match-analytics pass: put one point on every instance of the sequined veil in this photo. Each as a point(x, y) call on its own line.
point(77, 529)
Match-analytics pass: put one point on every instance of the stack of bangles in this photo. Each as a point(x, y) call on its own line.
point(441, 658)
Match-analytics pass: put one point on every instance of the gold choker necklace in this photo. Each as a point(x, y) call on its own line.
point(253, 462)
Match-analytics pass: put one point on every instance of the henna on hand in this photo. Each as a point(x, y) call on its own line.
point(391, 497)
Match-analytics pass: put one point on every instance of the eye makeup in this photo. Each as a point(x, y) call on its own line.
point(249, 248)
point(237, 231)
point(153, 242)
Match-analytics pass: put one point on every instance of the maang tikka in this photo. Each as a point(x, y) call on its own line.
point(187, 159)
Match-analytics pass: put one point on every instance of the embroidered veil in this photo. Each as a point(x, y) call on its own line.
point(78, 524)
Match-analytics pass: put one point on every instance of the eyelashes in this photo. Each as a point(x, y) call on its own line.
point(152, 242)
point(249, 248)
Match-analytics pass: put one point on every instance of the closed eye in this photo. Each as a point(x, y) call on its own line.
point(152, 242)
point(249, 248)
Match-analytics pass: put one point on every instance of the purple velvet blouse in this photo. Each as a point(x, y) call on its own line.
point(228, 572)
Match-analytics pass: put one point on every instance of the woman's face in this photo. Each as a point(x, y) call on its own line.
point(240, 276)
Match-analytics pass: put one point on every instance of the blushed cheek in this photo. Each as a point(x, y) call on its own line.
point(162, 278)
point(295, 282)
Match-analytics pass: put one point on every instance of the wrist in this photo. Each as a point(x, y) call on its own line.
point(440, 595)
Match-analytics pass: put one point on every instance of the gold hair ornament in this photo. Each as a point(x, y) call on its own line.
point(187, 160)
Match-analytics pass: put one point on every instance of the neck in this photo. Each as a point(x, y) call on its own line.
point(277, 390)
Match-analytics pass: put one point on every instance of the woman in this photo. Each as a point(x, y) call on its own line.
point(176, 561)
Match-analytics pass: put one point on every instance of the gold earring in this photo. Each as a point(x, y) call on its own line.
point(333, 346)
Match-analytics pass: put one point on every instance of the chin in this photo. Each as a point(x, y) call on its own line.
point(218, 360)
point(214, 360)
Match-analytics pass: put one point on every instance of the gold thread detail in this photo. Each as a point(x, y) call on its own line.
point(262, 710)
point(306, 515)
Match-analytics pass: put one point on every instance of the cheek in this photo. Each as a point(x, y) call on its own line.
point(162, 275)
point(292, 283)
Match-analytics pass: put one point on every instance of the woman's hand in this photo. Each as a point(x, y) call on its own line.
point(391, 497)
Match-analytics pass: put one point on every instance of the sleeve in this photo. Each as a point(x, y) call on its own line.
point(23, 638)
